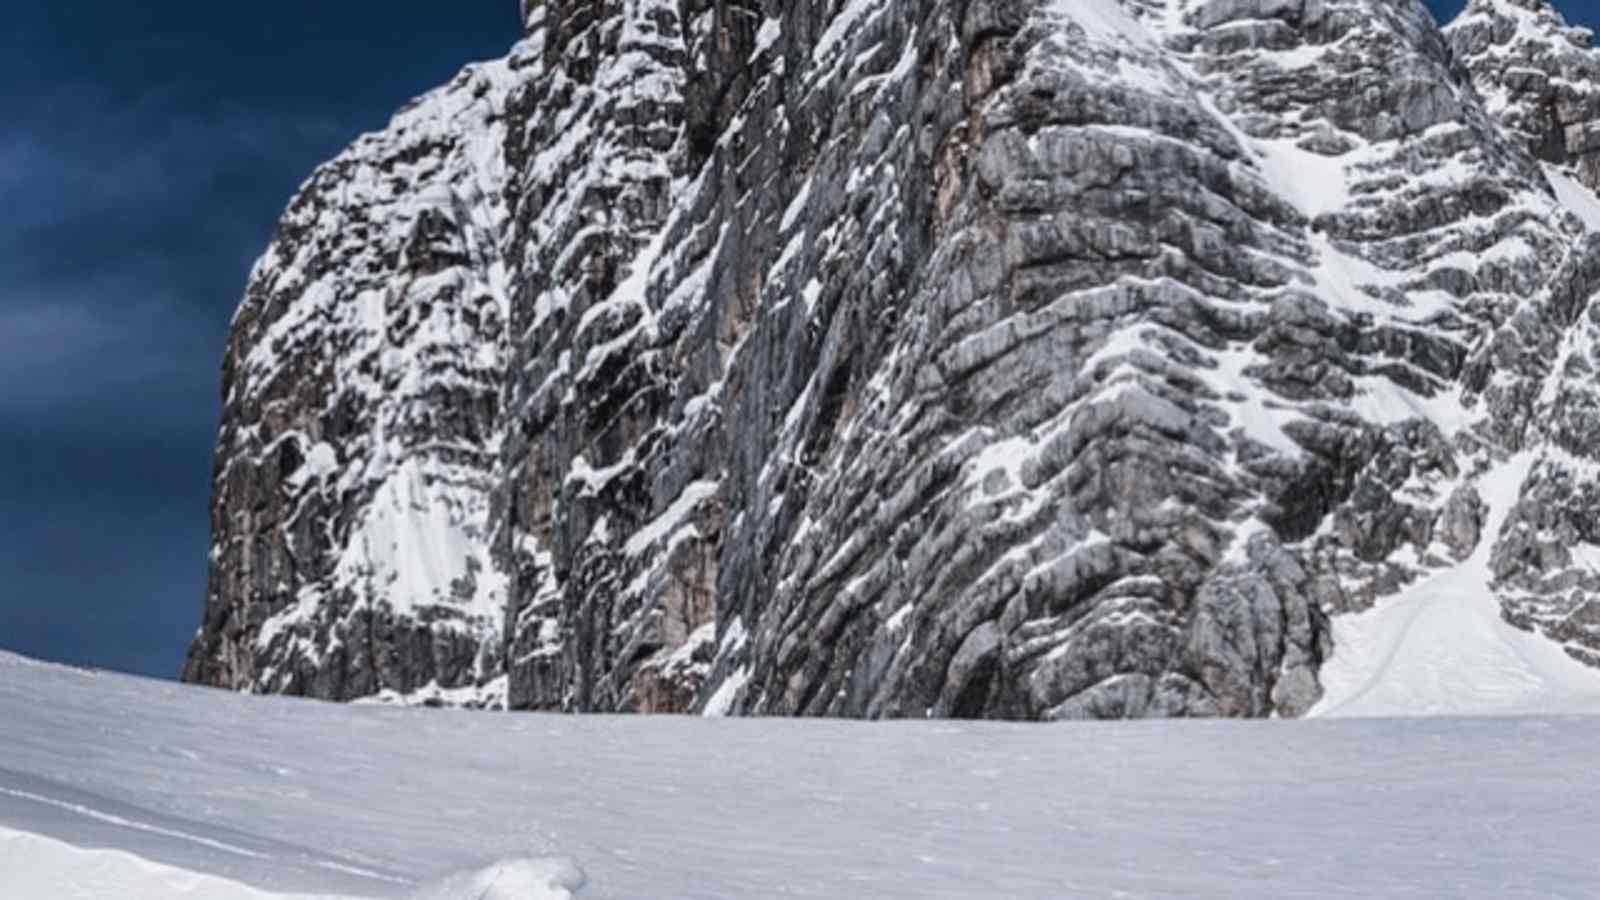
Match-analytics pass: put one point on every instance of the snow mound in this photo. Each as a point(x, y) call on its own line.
point(550, 878)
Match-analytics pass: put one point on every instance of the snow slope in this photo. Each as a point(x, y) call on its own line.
point(112, 786)
point(34, 866)
point(1441, 647)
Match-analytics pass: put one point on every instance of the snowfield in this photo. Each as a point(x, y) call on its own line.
point(119, 787)
point(1440, 647)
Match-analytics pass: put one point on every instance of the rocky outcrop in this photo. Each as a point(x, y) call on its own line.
point(598, 517)
point(1005, 358)
point(362, 422)
point(1541, 79)
point(1538, 76)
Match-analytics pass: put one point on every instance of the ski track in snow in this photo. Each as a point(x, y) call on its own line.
point(91, 813)
point(58, 810)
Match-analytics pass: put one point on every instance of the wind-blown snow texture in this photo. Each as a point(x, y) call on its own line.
point(886, 358)
point(283, 795)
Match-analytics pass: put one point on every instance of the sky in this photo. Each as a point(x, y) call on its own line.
point(148, 149)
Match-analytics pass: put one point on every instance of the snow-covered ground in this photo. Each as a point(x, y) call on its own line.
point(1441, 647)
point(117, 787)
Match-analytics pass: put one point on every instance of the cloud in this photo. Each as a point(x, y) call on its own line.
point(37, 332)
point(132, 223)
point(33, 337)
point(146, 151)
point(75, 350)
point(80, 149)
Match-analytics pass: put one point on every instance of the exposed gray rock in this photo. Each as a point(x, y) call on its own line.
point(362, 421)
point(1003, 358)
point(1539, 76)
point(1462, 525)
point(1541, 79)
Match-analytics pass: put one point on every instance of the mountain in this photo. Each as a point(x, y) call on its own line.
point(901, 358)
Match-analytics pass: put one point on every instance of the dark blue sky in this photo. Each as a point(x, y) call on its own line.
point(147, 149)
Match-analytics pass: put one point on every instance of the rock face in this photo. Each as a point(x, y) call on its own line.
point(362, 418)
point(1003, 358)
point(1539, 77)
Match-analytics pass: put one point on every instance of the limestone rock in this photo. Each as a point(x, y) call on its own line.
point(1002, 358)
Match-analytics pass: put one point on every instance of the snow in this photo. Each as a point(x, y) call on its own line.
point(41, 867)
point(309, 800)
point(796, 207)
point(898, 620)
point(811, 293)
point(491, 695)
point(321, 463)
point(767, 37)
point(670, 520)
point(417, 549)
point(36, 866)
point(1008, 456)
point(1138, 65)
point(522, 879)
point(1315, 183)
point(1259, 414)
point(840, 28)
point(1104, 20)
point(1441, 648)
point(721, 701)
point(1575, 197)
point(1381, 401)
